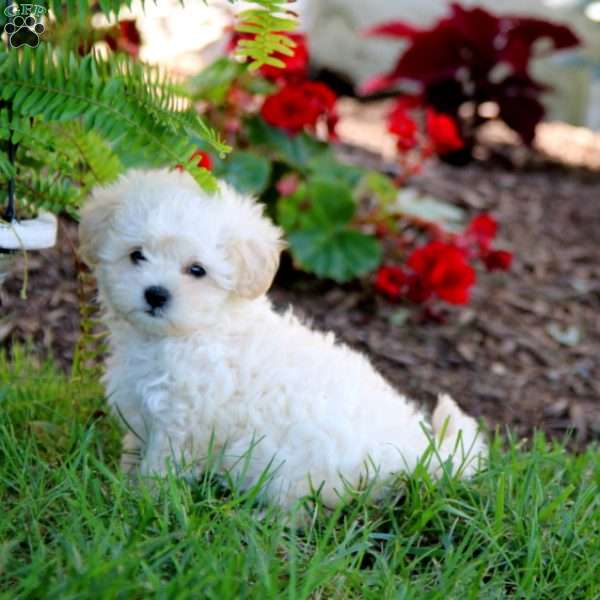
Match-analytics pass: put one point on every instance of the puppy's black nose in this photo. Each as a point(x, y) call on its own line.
point(157, 296)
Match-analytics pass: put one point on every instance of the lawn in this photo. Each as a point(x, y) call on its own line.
point(72, 527)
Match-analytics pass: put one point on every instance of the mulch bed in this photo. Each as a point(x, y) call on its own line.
point(524, 353)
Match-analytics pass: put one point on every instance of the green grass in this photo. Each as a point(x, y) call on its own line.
point(71, 527)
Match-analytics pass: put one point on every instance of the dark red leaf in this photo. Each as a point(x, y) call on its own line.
point(478, 30)
point(521, 113)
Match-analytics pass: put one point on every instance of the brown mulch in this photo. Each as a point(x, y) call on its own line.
point(524, 353)
point(508, 357)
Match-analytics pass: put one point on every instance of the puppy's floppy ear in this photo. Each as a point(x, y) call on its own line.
point(255, 263)
point(253, 245)
point(95, 223)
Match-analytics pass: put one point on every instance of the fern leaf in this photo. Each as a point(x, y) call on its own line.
point(55, 194)
point(101, 164)
point(267, 22)
point(136, 108)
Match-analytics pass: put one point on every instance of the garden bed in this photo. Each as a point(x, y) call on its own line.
point(524, 353)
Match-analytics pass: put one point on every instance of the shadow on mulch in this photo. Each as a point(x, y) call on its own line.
point(524, 353)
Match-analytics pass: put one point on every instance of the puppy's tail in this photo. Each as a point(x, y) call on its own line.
point(458, 437)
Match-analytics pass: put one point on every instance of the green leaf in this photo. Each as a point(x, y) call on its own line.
point(340, 254)
point(382, 186)
point(331, 202)
point(213, 82)
point(267, 22)
point(351, 175)
point(291, 210)
point(247, 172)
point(135, 108)
point(296, 151)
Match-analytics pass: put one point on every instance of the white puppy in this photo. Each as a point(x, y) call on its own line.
point(199, 359)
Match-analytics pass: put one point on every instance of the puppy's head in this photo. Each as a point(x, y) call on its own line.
point(170, 258)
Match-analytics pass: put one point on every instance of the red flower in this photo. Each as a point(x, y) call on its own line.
point(480, 233)
point(442, 269)
point(443, 132)
point(498, 260)
point(296, 106)
point(391, 281)
point(295, 65)
point(402, 125)
point(205, 161)
point(124, 37)
point(286, 109)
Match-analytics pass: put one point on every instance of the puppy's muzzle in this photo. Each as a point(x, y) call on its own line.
point(156, 297)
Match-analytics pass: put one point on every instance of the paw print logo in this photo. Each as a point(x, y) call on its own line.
point(24, 32)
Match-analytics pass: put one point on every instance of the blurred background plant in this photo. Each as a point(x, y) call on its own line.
point(84, 106)
point(339, 218)
point(472, 67)
point(79, 118)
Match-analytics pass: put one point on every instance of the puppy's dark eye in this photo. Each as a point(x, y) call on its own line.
point(136, 257)
point(197, 271)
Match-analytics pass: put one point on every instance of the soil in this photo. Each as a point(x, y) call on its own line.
point(525, 353)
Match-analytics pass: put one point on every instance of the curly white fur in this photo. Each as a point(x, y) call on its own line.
point(217, 367)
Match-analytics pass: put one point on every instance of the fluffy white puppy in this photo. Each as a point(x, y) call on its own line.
point(199, 359)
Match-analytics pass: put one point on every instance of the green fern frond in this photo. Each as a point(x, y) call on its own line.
point(45, 150)
point(53, 193)
point(7, 170)
point(100, 164)
point(267, 22)
point(134, 107)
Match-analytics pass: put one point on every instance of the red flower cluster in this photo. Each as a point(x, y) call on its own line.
point(404, 127)
point(391, 281)
point(477, 241)
point(299, 105)
point(296, 66)
point(436, 270)
point(439, 135)
point(441, 269)
point(443, 134)
point(466, 47)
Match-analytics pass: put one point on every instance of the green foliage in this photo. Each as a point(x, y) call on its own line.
point(127, 112)
point(214, 81)
point(72, 526)
point(58, 165)
point(317, 219)
point(134, 107)
point(266, 23)
point(298, 152)
point(247, 172)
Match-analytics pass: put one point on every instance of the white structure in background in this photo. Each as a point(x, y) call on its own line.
point(33, 234)
point(182, 36)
